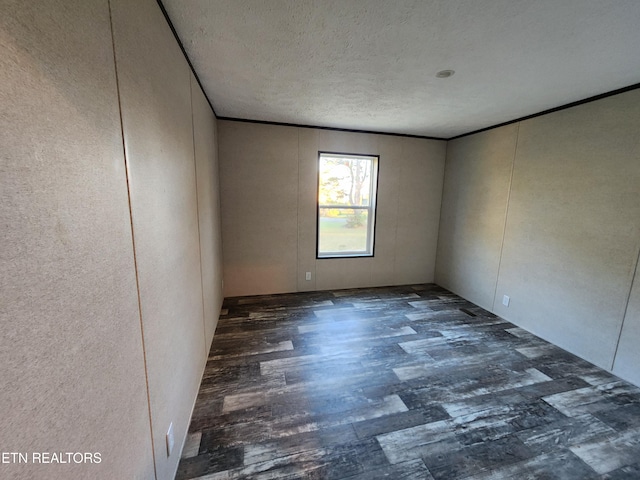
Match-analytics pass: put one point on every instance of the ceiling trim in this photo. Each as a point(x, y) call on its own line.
point(335, 129)
point(186, 57)
point(502, 124)
point(600, 96)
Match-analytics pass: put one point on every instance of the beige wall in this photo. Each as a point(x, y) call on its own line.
point(628, 354)
point(258, 189)
point(268, 177)
point(474, 207)
point(572, 230)
point(91, 362)
point(208, 186)
point(72, 359)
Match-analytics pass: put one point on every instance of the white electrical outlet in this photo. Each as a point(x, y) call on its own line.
point(506, 300)
point(307, 276)
point(170, 440)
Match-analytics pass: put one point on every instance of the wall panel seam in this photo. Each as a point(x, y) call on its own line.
point(298, 218)
point(397, 215)
point(195, 174)
point(133, 241)
point(220, 199)
point(440, 219)
point(634, 278)
point(506, 216)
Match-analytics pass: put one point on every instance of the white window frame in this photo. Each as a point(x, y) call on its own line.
point(371, 208)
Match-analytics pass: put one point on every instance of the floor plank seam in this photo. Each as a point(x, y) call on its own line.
point(403, 382)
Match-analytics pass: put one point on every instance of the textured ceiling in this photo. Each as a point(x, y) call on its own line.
point(371, 64)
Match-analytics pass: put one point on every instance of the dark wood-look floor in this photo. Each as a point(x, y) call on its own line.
point(401, 383)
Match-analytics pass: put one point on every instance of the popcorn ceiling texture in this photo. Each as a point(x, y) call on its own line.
point(371, 64)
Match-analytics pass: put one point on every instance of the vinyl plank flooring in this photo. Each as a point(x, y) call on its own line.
point(403, 382)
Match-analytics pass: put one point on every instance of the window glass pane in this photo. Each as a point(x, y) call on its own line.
point(342, 230)
point(345, 181)
point(346, 204)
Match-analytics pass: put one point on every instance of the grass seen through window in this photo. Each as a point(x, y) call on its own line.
point(346, 205)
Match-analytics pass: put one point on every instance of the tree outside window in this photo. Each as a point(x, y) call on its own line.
point(346, 204)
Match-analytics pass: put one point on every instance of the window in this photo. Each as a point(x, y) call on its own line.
point(346, 204)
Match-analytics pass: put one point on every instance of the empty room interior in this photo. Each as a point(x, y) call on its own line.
point(320, 239)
